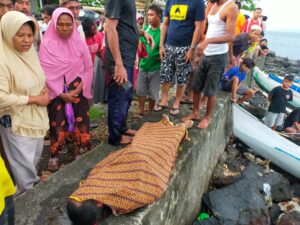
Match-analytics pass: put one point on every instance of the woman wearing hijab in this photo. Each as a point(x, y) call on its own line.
point(23, 98)
point(66, 61)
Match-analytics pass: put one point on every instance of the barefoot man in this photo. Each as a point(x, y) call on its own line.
point(221, 27)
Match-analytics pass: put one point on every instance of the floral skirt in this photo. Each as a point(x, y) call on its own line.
point(59, 134)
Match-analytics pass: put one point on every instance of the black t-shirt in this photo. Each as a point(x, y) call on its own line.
point(125, 12)
point(293, 117)
point(279, 100)
point(240, 44)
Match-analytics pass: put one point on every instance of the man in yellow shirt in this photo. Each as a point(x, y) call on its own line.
point(7, 191)
point(240, 19)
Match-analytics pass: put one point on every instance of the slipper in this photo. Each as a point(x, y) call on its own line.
point(174, 111)
point(159, 108)
point(186, 101)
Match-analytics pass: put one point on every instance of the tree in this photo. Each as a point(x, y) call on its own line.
point(97, 3)
point(249, 5)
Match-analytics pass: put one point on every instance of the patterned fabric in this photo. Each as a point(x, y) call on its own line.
point(58, 123)
point(174, 64)
point(138, 174)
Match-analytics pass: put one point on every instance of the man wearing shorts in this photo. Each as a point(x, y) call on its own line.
point(149, 69)
point(221, 27)
point(233, 78)
point(279, 96)
point(180, 34)
point(292, 122)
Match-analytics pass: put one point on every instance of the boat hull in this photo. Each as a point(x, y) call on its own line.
point(264, 141)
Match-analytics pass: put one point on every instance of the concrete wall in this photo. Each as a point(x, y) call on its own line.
point(179, 205)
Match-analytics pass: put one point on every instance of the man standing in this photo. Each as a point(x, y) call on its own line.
point(149, 67)
point(121, 42)
point(221, 30)
point(255, 20)
point(180, 34)
point(5, 6)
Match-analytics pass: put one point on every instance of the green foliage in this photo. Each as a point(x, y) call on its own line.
point(249, 5)
point(96, 112)
point(96, 3)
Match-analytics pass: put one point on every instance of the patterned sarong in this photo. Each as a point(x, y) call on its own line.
point(138, 174)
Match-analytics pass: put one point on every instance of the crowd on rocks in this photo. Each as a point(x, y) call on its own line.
point(48, 80)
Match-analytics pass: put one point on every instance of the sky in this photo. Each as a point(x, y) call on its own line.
point(283, 15)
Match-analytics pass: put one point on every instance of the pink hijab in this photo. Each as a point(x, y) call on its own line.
point(65, 57)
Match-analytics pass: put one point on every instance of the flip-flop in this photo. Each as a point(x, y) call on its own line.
point(159, 108)
point(174, 111)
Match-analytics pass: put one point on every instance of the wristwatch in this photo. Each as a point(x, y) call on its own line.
point(193, 47)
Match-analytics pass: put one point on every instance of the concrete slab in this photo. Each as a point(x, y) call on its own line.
point(179, 205)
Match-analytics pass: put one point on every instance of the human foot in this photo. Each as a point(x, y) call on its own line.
point(192, 116)
point(204, 123)
point(188, 123)
point(130, 132)
point(125, 139)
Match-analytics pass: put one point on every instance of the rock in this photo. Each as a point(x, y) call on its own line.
point(244, 203)
point(232, 153)
point(296, 190)
point(290, 206)
point(292, 218)
point(210, 221)
point(274, 213)
point(249, 156)
point(281, 189)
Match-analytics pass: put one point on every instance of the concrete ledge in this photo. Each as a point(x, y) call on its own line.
point(179, 205)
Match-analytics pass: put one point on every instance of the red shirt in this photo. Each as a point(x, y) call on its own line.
point(95, 44)
point(248, 24)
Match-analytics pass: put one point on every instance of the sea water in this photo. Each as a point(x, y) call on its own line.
point(284, 44)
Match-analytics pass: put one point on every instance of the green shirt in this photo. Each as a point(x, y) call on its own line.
point(152, 62)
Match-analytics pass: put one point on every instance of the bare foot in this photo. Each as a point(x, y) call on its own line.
point(188, 123)
point(125, 139)
point(130, 132)
point(204, 123)
point(192, 116)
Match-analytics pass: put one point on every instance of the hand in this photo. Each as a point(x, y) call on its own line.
point(200, 48)
point(43, 99)
point(161, 53)
point(149, 39)
point(120, 75)
point(189, 56)
point(195, 62)
point(68, 97)
point(232, 61)
point(44, 90)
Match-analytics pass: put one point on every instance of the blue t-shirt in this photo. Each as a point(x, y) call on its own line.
point(182, 15)
point(234, 72)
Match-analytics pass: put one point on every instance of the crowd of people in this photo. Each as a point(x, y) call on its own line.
point(48, 80)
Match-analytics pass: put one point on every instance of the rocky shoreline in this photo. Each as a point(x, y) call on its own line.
point(237, 194)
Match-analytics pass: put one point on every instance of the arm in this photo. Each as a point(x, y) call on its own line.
point(234, 88)
point(297, 125)
point(120, 75)
point(148, 38)
point(8, 99)
point(163, 34)
point(231, 13)
point(199, 26)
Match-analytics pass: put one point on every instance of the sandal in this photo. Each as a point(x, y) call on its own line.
point(159, 108)
point(174, 111)
point(53, 164)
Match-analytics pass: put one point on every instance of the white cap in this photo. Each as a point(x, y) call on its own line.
point(256, 27)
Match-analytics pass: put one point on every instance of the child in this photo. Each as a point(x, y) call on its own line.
point(148, 80)
point(233, 78)
point(279, 96)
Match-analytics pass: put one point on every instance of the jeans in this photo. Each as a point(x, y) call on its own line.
point(119, 101)
point(8, 215)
